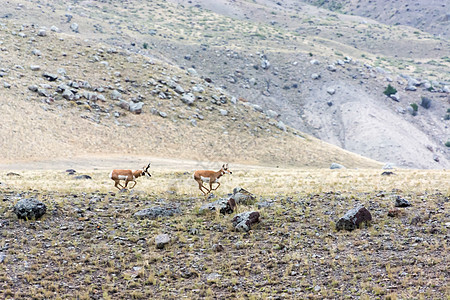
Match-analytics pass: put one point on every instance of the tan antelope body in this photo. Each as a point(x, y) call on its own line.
point(210, 177)
point(128, 175)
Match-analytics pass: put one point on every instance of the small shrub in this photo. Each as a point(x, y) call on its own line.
point(447, 117)
point(145, 46)
point(447, 143)
point(414, 106)
point(390, 90)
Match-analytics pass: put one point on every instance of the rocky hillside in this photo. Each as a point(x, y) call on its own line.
point(432, 16)
point(318, 71)
point(63, 97)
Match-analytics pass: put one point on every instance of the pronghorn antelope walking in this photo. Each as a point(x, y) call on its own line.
point(128, 175)
point(210, 177)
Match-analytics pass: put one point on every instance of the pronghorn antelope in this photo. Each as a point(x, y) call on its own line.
point(210, 177)
point(128, 175)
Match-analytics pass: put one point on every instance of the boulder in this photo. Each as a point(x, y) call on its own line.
point(401, 202)
point(242, 196)
point(336, 166)
point(224, 206)
point(354, 218)
point(161, 240)
point(188, 98)
point(29, 209)
point(157, 211)
point(244, 221)
point(136, 108)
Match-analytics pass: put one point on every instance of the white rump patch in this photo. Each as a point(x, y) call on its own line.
point(110, 175)
point(122, 177)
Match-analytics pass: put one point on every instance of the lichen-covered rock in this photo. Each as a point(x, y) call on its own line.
point(29, 209)
point(157, 211)
point(354, 218)
point(244, 221)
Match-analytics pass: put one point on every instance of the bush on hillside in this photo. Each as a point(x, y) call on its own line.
point(390, 90)
point(426, 102)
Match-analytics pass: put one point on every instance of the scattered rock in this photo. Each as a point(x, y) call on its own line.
point(401, 202)
point(331, 91)
point(354, 218)
point(136, 108)
point(244, 221)
point(157, 211)
point(74, 27)
point(336, 166)
point(2, 257)
point(83, 177)
point(242, 196)
point(29, 209)
point(224, 206)
point(395, 97)
point(425, 103)
point(161, 240)
point(188, 98)
point(315, 76)
point(281, 126)
point(50, 77)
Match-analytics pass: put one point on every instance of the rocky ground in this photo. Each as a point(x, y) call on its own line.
point(92, 242)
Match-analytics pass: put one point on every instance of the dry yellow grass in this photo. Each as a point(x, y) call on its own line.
point(260, 181)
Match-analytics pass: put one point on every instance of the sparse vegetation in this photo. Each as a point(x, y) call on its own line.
point(90, 245)
point(390, 90)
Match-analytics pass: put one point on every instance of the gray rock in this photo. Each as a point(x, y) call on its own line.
point(223, 112)
point(426, 102)
point(29, 209)
point(74, 27)
point(188, 98)
point(272, 114)
point(257, 108)
point(192, 72)
point(331, 68)
point(336, 166)
point(314, 62)
point(83, 177)
point(33, 88)
point(157, 211)
point(354, 218)
point(244, 221)
point(315, 76)
point(242, 196)
point(162, 114)
point(446, 89)
point(410, 88)
point(50, 77)
point(395, 97)
point(265, 64)
point(331, 91)
point(35, 68)
point(36, 52)
point(54, 28)
point(136, 108)
point(401, 202)
point(161, 240)
point(6, 85)
point(42, 32)
point(281, 126)
point(116, 95)
point(224, 206)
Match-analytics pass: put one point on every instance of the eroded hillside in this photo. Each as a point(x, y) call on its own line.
point(318, 71)
point(64, 97)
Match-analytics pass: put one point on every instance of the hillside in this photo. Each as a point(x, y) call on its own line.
point(432, 16)
point(320, 72)
point(62, 97)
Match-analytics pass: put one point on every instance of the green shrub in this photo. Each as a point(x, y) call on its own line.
point(426, 102)
point(447, 143)
point(145, 46)
point(390, 90)
point(414, 106)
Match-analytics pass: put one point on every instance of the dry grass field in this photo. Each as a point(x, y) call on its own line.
point(90, 246)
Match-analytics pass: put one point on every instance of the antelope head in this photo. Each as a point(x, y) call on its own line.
point(225, 169)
